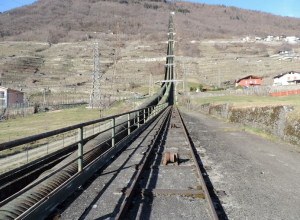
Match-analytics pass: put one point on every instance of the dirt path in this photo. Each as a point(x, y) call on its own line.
point(260, 177)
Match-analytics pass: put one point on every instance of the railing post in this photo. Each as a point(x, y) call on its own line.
point(80, 149)
point(128, 123)
point(138, 119)
point(152, 112)
point(144, 115)
point(113, 129)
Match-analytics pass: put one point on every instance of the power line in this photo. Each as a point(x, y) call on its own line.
point(5, 6)
point(17, 2)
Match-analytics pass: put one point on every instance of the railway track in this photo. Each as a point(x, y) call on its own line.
point(156, 177)
point(169, 182)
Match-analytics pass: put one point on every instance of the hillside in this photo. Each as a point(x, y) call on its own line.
point(49, 45)
point(72, 20)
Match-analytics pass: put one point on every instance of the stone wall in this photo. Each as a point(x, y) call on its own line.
point(58, 107)
point(270, 119)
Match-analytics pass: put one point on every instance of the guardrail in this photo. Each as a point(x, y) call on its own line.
point(139, 117)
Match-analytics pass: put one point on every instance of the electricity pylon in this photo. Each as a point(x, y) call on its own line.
point(96, 79)
point(151, 85)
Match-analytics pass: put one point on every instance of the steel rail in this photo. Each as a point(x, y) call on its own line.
point(125, 205)
point(203, 184)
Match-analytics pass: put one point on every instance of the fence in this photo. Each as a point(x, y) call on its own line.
point(256, 91)
point(16, 111)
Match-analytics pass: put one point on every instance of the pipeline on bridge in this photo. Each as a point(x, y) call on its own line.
point(48, 193)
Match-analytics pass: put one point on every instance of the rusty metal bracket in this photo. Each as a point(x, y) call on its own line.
point(170, 157)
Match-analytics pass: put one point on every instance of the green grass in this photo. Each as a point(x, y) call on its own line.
point(247, 101)
point(46, 121)
point(260, 133)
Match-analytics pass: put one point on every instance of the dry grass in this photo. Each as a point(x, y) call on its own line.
point(252, 101)
point(42, 122)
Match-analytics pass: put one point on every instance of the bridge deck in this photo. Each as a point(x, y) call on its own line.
point(164, 191)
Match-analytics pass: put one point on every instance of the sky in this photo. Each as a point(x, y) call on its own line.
point(6, 5)
point(289, 8)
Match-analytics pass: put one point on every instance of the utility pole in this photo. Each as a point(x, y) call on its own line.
point(184, 81)
point(44, 96)
point(219, 79)
point(96, 79)
point(151, 85)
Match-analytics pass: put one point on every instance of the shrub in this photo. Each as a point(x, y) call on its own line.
point(183, 11)
point(149, 6)
point(192, 88)
point(238, 87)
point(200, 86)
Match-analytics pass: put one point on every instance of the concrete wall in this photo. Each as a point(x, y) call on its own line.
point(273, 120)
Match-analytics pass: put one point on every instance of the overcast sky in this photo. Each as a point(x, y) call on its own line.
point(279, 7)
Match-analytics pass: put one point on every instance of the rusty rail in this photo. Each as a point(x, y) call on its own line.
point(203, 184)
point(168, 157)
point(130, 193)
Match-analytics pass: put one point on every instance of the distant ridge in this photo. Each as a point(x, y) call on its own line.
point(73, 20)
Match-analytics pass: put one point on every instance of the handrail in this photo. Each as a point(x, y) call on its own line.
point(21, 141)
point(161, 108)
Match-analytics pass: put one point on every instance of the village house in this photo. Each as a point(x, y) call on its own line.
point(10, 97)
point(249, 81)
point(288, 78)
point(269, 38)
point(291, 39)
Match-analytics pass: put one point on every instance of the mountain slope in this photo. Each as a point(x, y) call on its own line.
point(72, 20)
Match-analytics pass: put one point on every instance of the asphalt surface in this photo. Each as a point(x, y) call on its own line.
point(261, 178)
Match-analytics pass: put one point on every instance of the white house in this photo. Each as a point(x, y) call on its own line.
point(291, 39)
point(288, 78)
point(269, 38)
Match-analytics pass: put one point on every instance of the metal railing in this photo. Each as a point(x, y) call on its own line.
point(139, 117)
point(134, 119)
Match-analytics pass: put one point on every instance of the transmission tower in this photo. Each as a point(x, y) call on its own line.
point(151, 88)
point(96, 79)
point(117, 51)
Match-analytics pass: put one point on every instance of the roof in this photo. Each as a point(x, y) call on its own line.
point(282, 74)
point(249, 77)
point(12, 90)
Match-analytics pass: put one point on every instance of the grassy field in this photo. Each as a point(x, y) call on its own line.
point(42, 122)
point(246, 101)
point(257, 101)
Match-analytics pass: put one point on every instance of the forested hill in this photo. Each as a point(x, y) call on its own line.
point(72, 20)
